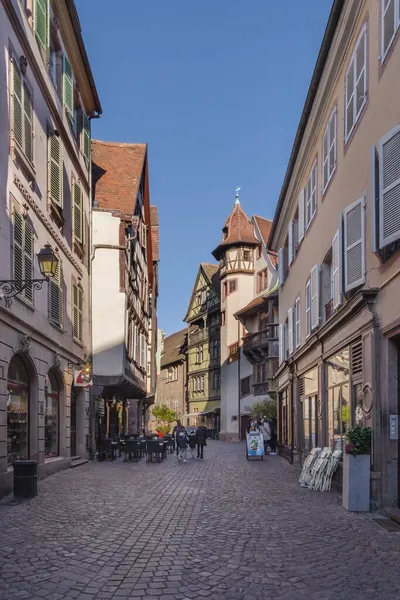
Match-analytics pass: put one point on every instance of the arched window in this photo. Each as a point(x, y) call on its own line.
point(17, 411)
point(51, 417)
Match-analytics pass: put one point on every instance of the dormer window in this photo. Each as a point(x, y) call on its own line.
point(225, 233)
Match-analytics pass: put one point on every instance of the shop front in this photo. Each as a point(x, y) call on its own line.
point(17, 412)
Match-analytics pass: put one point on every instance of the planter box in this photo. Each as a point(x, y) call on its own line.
point(356, 482)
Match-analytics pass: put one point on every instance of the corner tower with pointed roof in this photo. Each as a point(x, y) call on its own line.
point(237, 255)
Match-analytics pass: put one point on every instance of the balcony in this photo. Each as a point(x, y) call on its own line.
point(262, 345)
point(261, 389)
point(198, 336)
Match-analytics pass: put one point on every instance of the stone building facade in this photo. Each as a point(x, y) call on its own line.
point(337, 234)
point(47, 99)
point(171, 385)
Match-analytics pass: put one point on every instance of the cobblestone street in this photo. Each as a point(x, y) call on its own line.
point(222, 528)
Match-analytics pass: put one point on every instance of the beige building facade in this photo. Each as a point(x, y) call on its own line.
point(47, 99)
point(337, 231)
point(172, 381)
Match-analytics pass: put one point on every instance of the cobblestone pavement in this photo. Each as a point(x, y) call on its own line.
point(223, 528)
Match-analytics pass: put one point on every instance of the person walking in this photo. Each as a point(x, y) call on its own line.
point(182, 443)
point(192, 443)
point(273, 440)
point(175, 433)
point(201, 439)
point(266, 433)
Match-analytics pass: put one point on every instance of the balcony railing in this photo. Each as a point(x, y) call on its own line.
point(262, 345)
point(260, 389)
point(198, 336)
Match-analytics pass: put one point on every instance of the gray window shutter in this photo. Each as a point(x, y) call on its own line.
point(301, 217)
point(315, 296)
point(354, 245)
point(281, 343)
point(375, 199)
point(85, 136)
point(290, 330)
point(281, 265)
point(55, 170)
point(308, 308)
point(68, 88)
point(389, 187)
point(18, 130)
point(337, 256)
point(77, 211)
point(290, 243)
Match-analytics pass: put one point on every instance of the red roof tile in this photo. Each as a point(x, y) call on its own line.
point(264, 225)
point(117, 171)
point(237, 229)
point(155, 232)
point(174, 348)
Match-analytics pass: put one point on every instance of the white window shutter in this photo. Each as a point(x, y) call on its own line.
point(389, 187)
point(301, 217)
point(375, 199)
point(281, 265)
point(354, 245)
point(297, 323)
point(337, 269)
point(290, 330)
point(281, 343)
point(308, 308)
point(290, 243)
point(315, 296)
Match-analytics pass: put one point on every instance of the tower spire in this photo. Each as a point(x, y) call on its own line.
point(237, 190)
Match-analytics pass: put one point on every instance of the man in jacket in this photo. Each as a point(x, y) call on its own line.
point(266, 433)
point(201, 439)
point(175, 433)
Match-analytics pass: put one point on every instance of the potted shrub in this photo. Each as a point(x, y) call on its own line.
point(356, 469)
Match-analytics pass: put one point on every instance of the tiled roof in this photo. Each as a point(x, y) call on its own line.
point(155, 232)
point(237, 229)
point(117, 171)
point(209, 269)
point(264, 225)
point(256, 302)
point(173, 345)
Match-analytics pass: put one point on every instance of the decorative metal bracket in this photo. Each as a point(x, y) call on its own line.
point(9, 288)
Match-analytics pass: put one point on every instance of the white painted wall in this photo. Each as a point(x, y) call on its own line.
point(108, 303)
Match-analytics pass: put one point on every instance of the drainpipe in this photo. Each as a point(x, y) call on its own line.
point(239, 418)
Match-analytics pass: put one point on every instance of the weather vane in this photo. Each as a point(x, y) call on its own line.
point(237, 190)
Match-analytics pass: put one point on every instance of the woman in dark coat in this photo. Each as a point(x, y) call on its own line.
point(201, 439)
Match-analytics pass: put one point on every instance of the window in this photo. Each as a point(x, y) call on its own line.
point(245, 386)
point(144, 235)
point(224, 290)
point(233, 352)
point(17, 412)
point(53, 63)
point(281, 344)
point(290, 242)
point(215, 344)
point(337, 255)
point(77, 212)
point(390, 19)
point(23, 252)
point(329, 150)
point(285, 421)
point(262, 280)
point(315, 296)
point(246, 255)
point(22, 105)
point(56, 297)
point(41, 22)
point(260, 373)
point(172, 374)
point(310, 195)
point(300, 212)
point(85, 136)
point(308, 385)
point(297, 340)
point(203, 298)
point(356, 84)
point(222, 318)
point(199, 355)
point(354, 245)
point(281, 266)
point(338, 408)
point(308, 308)
point(290, 331)
point(55, 169)
point(143, 359)
point(68, 88)
point(216, 380)
point(259, 252)
point(77, 312)
point(51, 417)
point(386, 215)
point(232, 286)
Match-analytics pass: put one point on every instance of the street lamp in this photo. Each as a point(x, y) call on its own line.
point(48, 263)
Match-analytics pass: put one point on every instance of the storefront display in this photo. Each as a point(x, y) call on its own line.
point(309, 400)
point(17, 412)
point(338, 399)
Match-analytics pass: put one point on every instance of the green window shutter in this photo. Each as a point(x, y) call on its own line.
point(68, 87)
point(28, 259)
point(41, 18)
point(77, 212)
point(85, 136)
point(28, 123)
point(55, 170)
point(18, 246)
point(17, 106)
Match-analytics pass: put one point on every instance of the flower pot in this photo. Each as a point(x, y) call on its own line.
point(356, 482)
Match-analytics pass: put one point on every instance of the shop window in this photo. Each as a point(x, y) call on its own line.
point(51, 417)
point(308, 385)
point(245, 386)
point(338, 407)
point(17, 412)
point(285, 421)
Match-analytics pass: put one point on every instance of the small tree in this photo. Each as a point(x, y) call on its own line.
point(164, 416)
point(263, 408)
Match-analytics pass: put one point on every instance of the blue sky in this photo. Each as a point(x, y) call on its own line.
point(216, 88)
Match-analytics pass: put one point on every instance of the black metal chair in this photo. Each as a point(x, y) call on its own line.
point(105, 450)
point(170, 443)
point(132, 451)
point(155, 449)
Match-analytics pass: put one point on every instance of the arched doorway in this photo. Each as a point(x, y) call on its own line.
point(73, 422)
point(51, 417)
point(17, 411)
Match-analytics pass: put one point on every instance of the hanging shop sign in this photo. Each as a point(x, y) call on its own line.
point(82, 378)
point(255, 444)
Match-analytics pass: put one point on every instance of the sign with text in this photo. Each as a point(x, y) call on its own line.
point(82, 378)
point(255, 444)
